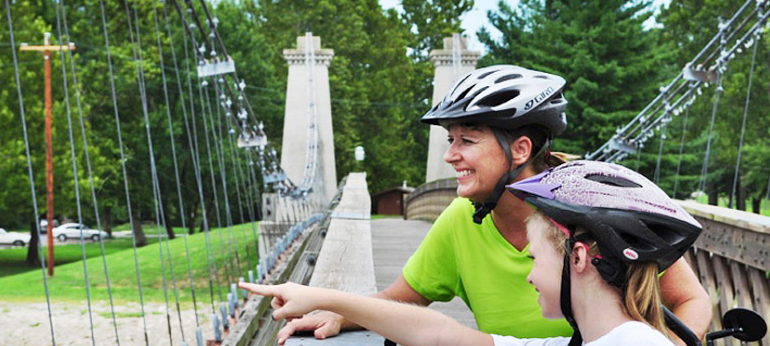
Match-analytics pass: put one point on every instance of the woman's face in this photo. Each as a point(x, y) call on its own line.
point(546, 276)
point(477, 159)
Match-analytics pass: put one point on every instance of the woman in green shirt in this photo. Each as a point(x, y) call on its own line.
point(500, 120)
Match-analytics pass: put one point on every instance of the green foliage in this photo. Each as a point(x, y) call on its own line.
point(611, 62)
point(690, 24)
point(378, 92)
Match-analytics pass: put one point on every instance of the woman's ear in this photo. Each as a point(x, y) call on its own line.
point(580, 257)
point(521, 149)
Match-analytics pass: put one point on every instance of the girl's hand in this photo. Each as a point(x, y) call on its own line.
point(290, 300)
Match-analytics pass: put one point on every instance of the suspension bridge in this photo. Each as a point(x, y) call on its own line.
point(311, 229)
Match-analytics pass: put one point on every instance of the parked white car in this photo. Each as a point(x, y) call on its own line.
point(72, 231)
point(14, 238)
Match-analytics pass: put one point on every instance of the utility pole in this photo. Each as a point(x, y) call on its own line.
point(47, 48)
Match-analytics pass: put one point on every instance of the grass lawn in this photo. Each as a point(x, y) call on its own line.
point(382, 216)
point(19, 283)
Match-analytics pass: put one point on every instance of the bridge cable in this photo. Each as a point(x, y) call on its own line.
point(136, 45)
point(90, 177)
point(681, 149)
point(660, 153)
point(213, 182)
point(196, 167)
point(211, 154)
point(217, 141)
point(74, 166)
point(743, 126)
point(704, 170)
point(193, 143)
point(29, 167)
point(176, 167)
point(125, 174)
point(176, 175)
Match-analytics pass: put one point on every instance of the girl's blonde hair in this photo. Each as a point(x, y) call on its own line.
point(641, 297)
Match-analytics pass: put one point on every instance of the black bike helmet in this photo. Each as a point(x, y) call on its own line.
point(504, 97)
point(630, 218)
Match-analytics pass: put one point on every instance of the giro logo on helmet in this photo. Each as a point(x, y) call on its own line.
point(630, 254)
point(538, 98)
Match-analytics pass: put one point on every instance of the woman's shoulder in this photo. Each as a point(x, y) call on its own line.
point(460, 210)
point(632, 333)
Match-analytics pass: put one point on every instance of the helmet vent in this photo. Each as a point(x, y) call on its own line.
point(463, 94)
point(484, 75)
point(499, 98)
point(540, 76)
point(508, 77)
point(612, 181)
point(458, 84)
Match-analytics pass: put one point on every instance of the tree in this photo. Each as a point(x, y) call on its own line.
point(689, 25)
point(610, 60)
point(377, 90)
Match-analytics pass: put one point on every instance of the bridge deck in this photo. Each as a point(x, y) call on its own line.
point(393, 241)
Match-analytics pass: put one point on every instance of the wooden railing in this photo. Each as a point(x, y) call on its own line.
point(732, 261)
point(430, 199)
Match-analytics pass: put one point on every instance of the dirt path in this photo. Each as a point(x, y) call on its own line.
point(28, 324)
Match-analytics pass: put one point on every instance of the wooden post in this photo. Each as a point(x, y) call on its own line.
point(47, 48)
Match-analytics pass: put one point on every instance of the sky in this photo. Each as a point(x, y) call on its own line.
point(474, 19)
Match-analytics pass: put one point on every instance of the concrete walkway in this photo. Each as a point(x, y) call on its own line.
point(393, 241)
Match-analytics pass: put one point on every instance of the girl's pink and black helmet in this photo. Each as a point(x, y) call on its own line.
point(630, 217)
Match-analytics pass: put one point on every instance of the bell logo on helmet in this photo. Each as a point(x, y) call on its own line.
point(538, 98)
point(630, 254)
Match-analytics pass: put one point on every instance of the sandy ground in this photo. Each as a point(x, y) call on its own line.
point(28, 324)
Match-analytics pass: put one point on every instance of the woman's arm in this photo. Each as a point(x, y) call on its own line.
point(402, 323)
point(684, 295)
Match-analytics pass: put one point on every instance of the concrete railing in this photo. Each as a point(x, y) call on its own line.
point(430, 199)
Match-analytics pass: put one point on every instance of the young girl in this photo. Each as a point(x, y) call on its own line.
point(601, 229)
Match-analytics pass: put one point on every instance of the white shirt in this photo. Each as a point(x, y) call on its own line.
point(632, 333)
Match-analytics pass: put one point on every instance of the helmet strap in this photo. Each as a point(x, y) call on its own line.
point(486, 207)
point(566, 297)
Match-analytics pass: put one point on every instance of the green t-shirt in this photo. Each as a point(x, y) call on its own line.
point(461, 258)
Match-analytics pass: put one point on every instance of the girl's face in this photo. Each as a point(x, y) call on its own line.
point(546, 275)
point(477, 158)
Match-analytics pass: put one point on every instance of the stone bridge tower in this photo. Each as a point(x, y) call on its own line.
point(308, 102)
point(451, 63)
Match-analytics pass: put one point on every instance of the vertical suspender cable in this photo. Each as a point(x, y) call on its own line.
point(705, 167)
point(29, 166)
point(75, 171)
point(211, 261)
point(660, 153)
point(743, 126)
point(125, 174)
point(176, 173)
point(90, 176)
point(681, 149)
point(228, 220)
point(218, 149)
point(136, 46)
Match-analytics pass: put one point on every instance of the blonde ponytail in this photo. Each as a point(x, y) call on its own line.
point(641, 298)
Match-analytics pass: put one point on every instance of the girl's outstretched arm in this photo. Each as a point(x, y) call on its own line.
point(402, 323)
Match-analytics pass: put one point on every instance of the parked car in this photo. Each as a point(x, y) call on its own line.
point(14, 238)
point(72, 230)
